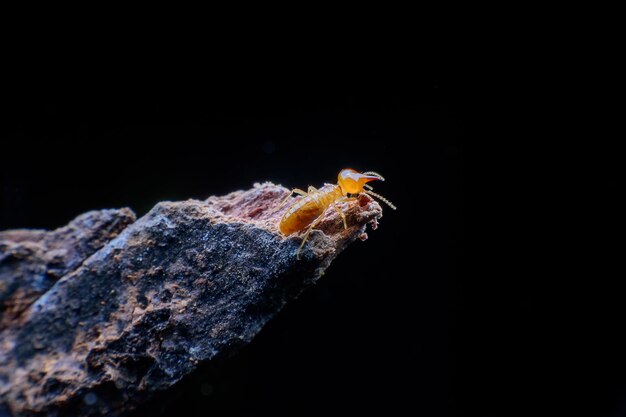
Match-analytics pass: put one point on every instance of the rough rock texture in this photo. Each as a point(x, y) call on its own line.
point(31, 261)
point(187, 283)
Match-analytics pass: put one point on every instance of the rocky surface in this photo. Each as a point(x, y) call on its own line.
point(117, 319)
point(31, 261)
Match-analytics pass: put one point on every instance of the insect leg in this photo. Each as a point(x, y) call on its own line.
point(343, 216)
point(342, 199)
point(296, 191)
point(312, 189)
point(306, 235)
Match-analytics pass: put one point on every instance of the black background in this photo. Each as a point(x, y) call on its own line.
point(440, 313)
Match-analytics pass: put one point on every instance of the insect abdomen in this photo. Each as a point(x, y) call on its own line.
point(307, 209)
point(300, 215)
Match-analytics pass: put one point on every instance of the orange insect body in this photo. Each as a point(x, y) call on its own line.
point(309, 210)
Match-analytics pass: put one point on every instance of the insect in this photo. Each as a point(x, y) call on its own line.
point(309, 210)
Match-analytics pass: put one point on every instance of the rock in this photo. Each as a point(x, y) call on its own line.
point(31, 261)
point(186, 284)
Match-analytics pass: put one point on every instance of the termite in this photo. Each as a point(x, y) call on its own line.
point(309, 210)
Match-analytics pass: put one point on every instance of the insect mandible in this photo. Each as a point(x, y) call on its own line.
point(309, 210)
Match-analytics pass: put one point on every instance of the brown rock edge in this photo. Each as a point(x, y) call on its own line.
point(99, 316)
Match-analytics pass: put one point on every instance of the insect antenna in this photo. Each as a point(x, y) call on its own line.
point(381, 198)
point(369, 187)
point(374, 174)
